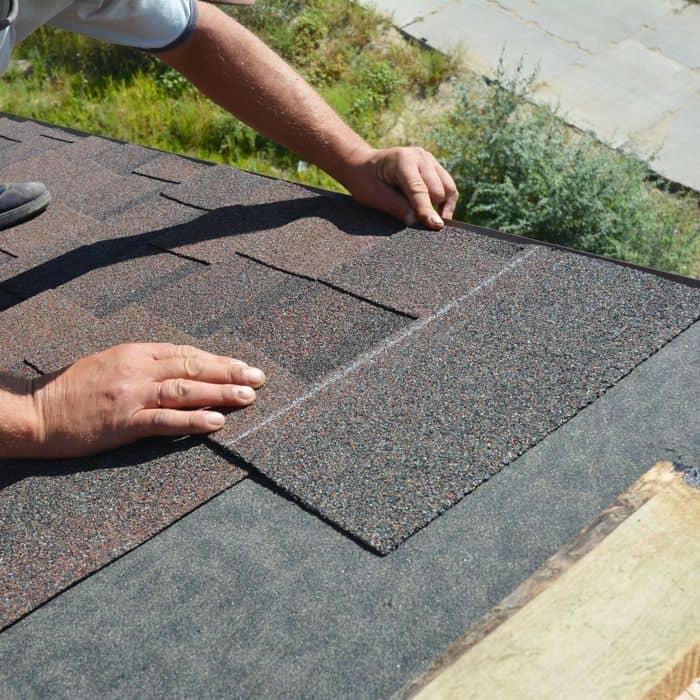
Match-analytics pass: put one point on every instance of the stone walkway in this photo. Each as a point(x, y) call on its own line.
point(626, 70)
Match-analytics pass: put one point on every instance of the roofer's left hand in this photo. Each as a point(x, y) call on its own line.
point(408, 183)
point(134, 391)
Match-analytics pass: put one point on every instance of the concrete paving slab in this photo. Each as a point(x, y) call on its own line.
point(250, 596)
point(483, 32)
point(591, 26)
point(621, 92)
point(404, 12)
point(676, 36)
point(679, 156)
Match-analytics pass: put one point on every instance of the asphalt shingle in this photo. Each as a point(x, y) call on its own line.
point(216, 297)
point(419, 271)
point(136, 274)
point(171, 168)
point(312, 330)
point(408, 431)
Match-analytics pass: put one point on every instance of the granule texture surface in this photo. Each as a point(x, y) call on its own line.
point(170, 168)
point(419, 271)
point(217, 296)
point(409, 431)
point(222, 186)
point(69, 182)
point(312, 330)
point(45, 232)
point(309, 246)
point(140, 271)
point(131, 324)
point(60, 520)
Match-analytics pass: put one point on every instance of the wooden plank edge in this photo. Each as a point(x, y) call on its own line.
point(680, 678)
point(626, 504)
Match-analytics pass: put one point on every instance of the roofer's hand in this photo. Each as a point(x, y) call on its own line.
point(134, 391)
point(408, 183)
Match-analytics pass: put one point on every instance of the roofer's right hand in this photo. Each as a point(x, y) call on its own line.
point(135, 391)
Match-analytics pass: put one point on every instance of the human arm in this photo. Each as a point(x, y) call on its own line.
point(238, 71)
point(118, 396)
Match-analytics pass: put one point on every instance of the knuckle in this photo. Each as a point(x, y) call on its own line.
point(182, 388)
point(184, 350)
point(192, 366)
point(158, 419)
point(416, 186)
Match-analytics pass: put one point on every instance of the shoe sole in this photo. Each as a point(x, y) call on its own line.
point(26, 211)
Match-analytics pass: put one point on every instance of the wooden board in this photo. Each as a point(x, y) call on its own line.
point(614, 615)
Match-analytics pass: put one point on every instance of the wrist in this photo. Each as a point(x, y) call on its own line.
point(20, 418)
point(353, 164)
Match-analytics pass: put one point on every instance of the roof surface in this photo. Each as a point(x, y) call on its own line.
point(405, 367)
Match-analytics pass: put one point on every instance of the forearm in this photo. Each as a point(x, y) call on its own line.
point(235, 69)
point(17, 424)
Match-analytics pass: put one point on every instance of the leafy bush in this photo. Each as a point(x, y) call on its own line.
point(519, 170)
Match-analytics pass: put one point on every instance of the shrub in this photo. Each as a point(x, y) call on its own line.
point(519, 170)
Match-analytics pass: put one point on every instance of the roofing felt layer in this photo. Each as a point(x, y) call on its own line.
point(405, 366)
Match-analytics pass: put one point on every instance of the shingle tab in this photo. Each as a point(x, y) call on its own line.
point(413, 428)
point(42, 322)
point(223, 186)
point(46, 232)
point(312, 330)
point(128, 279)
point(131, 324)
point(418, 271)
point(68, 180)
point(318, 242)
point(171, 168)
point(215, 297)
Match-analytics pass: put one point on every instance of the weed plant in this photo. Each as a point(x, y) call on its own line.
point(519, 170)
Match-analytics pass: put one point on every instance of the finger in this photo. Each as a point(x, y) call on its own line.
point(451, 193)
point(165, 422)
point(185, 393)
point(433, 182)
point(192, 363)
point(411, 183)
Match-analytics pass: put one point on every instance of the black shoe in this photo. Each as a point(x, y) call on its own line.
point(20, 201)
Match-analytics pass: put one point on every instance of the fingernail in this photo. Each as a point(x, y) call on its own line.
point(245, 393)
point(215, 420)
point(435, 219)
point(252, 375)
point(411, 219)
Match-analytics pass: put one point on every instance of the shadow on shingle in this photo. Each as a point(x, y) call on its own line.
point(219, 225)
point(135, 455)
